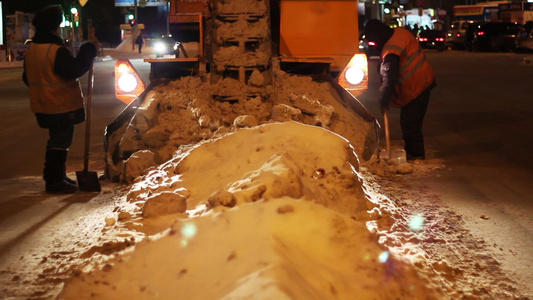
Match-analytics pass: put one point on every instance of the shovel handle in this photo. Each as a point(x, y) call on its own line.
point(387, 132)
point(88, 107)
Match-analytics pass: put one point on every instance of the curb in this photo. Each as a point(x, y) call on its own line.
point(11, 64)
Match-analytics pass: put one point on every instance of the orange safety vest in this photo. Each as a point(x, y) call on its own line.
point(49, 93)
point(416, 74)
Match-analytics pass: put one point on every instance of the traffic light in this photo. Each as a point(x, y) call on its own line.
point(75, 16)
point(77, 19)
point(133, 22)
point(387, 8)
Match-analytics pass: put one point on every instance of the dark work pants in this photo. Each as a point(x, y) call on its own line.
point(411, 119)
point(60, 136)
point(59, 141)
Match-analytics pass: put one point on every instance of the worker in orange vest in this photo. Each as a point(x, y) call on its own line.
point(406, 80)
point(51, 72)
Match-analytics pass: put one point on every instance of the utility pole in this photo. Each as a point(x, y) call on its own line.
point(168, 18)
point(135, 27)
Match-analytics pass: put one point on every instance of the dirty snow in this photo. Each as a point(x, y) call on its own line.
point(265, 206)
point(285, 211)
point(316, 248)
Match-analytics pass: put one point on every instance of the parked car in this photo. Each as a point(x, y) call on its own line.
point(495, 36)
point(369, 48)
point(528, 26)
point(456, 34)
point(432, 39)
point(524, 40)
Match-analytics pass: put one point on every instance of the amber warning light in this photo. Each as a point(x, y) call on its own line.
point(128, 84)
point(354, 77)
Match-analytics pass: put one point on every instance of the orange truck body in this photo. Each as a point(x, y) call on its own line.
point(311, 31)
point(320, 29)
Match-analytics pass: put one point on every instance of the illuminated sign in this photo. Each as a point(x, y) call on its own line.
point(1, 26)
point(140, 3)
point(467, 11)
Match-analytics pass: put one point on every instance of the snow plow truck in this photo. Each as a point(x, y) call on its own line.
point(257, 61)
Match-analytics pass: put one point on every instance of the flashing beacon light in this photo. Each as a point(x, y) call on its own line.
point(128, 83)
point(354, 77)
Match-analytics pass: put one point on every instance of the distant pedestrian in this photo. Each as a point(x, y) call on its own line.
point(51, 72)
point(415, 30)
point(406, 81)
point(139, 41)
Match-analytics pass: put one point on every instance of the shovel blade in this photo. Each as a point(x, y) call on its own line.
point(398, 156)
point(384, 154)
point(88, 181)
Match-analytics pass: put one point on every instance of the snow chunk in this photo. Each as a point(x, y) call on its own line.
point(137, 164)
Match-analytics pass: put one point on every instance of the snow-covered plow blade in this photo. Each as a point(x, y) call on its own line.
point(189, 110)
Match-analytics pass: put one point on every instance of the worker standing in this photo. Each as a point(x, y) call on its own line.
point(406, 80)
point(51, 72)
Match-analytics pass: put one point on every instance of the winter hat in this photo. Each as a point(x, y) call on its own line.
point(378, 32)
point(49, 18)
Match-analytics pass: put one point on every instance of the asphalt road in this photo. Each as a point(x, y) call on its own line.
point(478, 122)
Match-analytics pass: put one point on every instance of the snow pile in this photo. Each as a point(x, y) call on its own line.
point(273, 212)
point(183, 112)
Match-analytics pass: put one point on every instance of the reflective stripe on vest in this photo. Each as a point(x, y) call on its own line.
point(415, 73)
point(49, 93)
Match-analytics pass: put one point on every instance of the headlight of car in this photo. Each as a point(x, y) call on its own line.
point(160, 47)
point(176, 45)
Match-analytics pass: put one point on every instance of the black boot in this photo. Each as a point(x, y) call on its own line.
point(415, 150)
point(69, 180)
point(65, 177)
point(54, 173)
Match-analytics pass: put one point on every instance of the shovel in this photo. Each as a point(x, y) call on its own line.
point(87, 180)
point(392, 156)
